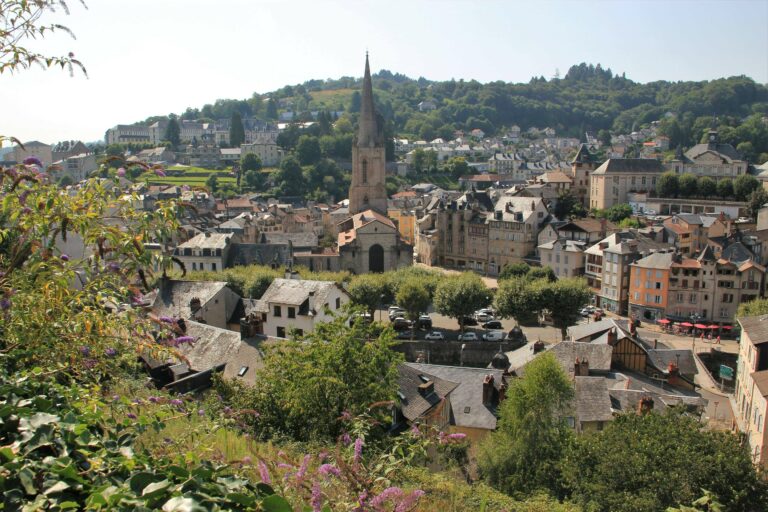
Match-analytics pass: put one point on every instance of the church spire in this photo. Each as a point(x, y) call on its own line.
point(367, 131)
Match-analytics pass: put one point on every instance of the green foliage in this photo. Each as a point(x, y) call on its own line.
point(615, 213)
point(514, 270)
point(563, 298)
point(754, 307)
point(706, 186)
point(541, 273)
point(212, 183)
point(308, 150)
point(304, 387)
point(668, 185)
point(725, 188)
point(460, 296)
point(744, 185)
point(568, 206)
point(687, 185)
point(519, 298)
point(236, 130)
point(707, 503)
point(756, 200)
point(413, 297)
point(457, 167)
point(655, 461)
point(172, 132)
point(370, 291)
point(523, 455)
point(630, 223)
point(250, 162)
point(290, 178)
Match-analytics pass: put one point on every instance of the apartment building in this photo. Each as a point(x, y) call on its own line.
point(751, 397)
point(712, 158)
point(616, 177)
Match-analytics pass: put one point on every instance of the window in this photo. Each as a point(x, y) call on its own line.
point(194, 266)
point(658, 285)
point(278, 311)
point(281, 332)
point(338, 302)
point(566, 259)
point(658, 274)
point(291, 312)
point(693, 298)
point(657, 299)
point(243, 370)
point(637, 295)
point(213, 267)
point(365, 171)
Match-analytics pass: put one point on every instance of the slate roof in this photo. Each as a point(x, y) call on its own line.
point(592, 401)
point(660, 358)
point(207, 241)
point(626, 400)
point(305, 240)
point(416, 404)
point(658, 260)
point(296, 291)
point(725, 151)
point(591, 330)
point(467, 405)
point(761, 381)
point(630, 165)
point(263, 254)
point(174, 296)
point(737, 253)
point(756, 327)
point(598, 355)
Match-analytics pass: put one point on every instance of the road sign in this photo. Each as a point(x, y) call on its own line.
point(726, 372)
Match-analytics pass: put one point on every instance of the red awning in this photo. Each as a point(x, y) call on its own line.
point(663, 321)
point(712, 326)
point(701, 326)
point(686, 324)
point(727, 327)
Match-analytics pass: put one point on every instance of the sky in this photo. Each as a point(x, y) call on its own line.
point(155, 57)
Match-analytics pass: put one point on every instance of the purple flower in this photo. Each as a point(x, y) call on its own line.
point(176, 402)
point(227, 410)
point(137, 299)
point(89, 363)
point(33, 160)
point(167, 320)
point(86, 351)
point(121, 172)
point(264, 473)
point(358, 449)
point(5, 303)
point(346, 416)
point(131, 416)
point(201, 412)
point(386, 494)
point(115, 398)
point(415, 431)
point(362, 500)
point(154, 399)
point(345, 439)
point(328, 469)
point(185, 188)
point(160, 173)
point(317, 497)
point(283, 465)
point(26, 210)
point(64, 257)
point(113, 266)
point(456, 437)
point(23, 197)
point(303, 468)
point(247, 460)
point(181, 340)
point(408, 502)
point(111, 352)
point(138, 401)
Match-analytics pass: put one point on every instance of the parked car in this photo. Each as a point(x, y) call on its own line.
point(494, 336)
point(585, 312)
point(467, 336)
point(406, 335)
point(400, 324)
point(396, 313)
point(468, 320)
point(424, 322)
point(394, 308)
point(493, 324)
point(482, 316)
point(435, 336)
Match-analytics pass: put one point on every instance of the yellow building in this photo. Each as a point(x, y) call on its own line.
point(406, 224)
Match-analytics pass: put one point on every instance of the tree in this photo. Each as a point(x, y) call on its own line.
point(564, 298)
point(460, 296)
point(744, 185)
point(414, 298)
point(604, 136)
point(290, 178)
point(706, 186)
point(236, 130)
point(523, 455)
point(172, 131)
point(305, 388)
point(654, 461)
point(21, 22)
point(754, 307)
point(212, 183)
point(667, 185)
point(419, 159)
point(457, 167)
point(518, 298)
point(255, 180)
point(430, 160)
point(250, 162)
point(757, 199)
point(514, 270)
point(541, 273)
point(370, 291)
point(308, 150)
point(271, 109)
point(568, 206)
point(687, 185)
point(355, 102)
point(725, 188)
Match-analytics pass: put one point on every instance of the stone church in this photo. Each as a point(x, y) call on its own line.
point(369, 241)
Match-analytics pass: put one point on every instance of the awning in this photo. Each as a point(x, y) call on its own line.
point(701, 326)
point(727, 327)
point(712, 326)
point(664, 321)
point(686, 324)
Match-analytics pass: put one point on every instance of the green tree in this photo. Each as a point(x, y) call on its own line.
point(667, 185)
point(419, 160)
point(706, 186)
point(212, 183)
point(308, 150)
point(615, 213)
point(523, 455)
point(355, 102)
point(519, 298)
point(250, 162)
point(754, 307)
point(744, 185)
point(66, 181)
point(457, 167)
point(172, 131)
point(514, 270)
point(236, 130)
point(564, 298)
point(255, 180)
point(460, 296)
point(370, 291)
point(568, 206)
point(545, 273)
point(306, 387)
point(604, 136)
point(430, 161)
point(654, 461)
point(687, 185)
point(725, 188)
point(272, 109)
point(414, 298)
point(757, 199)
point(290, 178)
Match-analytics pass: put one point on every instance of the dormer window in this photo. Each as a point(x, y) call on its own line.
point(243, 370)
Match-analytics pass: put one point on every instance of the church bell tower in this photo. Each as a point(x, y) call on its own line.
point(367, 190)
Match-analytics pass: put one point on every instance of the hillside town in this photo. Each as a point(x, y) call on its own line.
point(275, 294)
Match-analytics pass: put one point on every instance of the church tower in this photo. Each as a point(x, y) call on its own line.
point(367, 190)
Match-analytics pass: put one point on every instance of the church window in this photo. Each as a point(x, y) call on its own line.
point(365, 200)
point(365, 171)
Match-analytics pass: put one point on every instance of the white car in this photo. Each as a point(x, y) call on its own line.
point(494, 336)
point(484, 315)
point(467, 336)
point(435, 336)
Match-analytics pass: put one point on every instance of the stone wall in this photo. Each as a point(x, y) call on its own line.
point(477, 354)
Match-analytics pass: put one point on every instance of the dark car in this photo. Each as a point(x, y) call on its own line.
point(424, 322)
point(468, 320)
point(493, 324)
point(400, 324)
point(406, 335)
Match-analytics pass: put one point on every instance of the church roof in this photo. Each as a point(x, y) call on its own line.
point(358, 221)
point(369, 133)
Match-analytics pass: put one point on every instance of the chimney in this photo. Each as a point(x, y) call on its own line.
point(502, 392)
point(427, 388)
point(488, 389)
point(655, 343)
point(602, 226)
point(645, 405)
point(612, 336)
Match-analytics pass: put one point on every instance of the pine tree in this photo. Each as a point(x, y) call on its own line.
point(236, 130)
point(172, 131)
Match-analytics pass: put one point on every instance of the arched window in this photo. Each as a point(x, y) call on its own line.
point(365, 200)
point(364, 167)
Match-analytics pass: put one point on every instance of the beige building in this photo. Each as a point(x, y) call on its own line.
point(513, 230)
point(581, 167)
point(370, 242)
point(39, 150)
point(751, 398)
point(565, 257)
point(77, 167)
point(206, 251)
point(615, 178)
point(267, 151)
point(298, 304)
point(713, 158)
point(125, 134)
